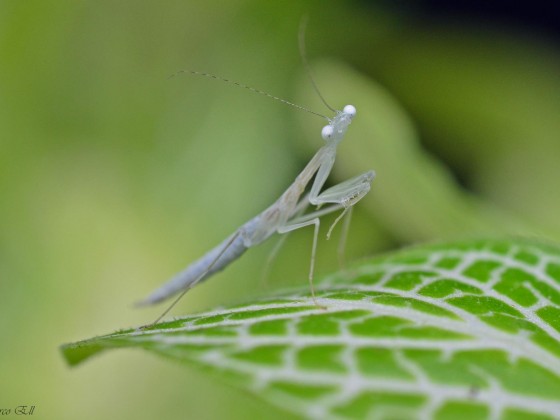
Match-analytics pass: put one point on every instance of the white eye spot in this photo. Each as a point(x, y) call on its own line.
point(350, 110)
point(327, 132)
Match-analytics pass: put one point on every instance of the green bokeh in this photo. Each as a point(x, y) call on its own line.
point(112, 177)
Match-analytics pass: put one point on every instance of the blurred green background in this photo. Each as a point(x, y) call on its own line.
point(113, 177)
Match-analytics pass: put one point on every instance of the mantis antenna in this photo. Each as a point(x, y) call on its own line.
point(244, 86)
point(303, 54)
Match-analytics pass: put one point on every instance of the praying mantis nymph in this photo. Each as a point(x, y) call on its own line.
point(285, 214)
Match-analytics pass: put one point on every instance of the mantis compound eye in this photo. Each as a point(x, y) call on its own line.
point(327, 132)
point(350, 110)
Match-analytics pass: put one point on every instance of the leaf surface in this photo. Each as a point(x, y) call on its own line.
point(458, 331)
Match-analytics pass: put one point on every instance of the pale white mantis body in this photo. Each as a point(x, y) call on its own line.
point(284, 215)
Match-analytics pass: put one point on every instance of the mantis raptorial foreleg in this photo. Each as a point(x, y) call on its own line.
point(343, 195)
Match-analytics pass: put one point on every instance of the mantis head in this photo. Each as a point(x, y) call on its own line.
point(339, 124)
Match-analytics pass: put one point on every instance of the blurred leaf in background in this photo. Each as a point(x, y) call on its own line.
point(113, 177)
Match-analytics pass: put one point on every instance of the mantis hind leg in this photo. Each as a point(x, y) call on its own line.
point(211, 263)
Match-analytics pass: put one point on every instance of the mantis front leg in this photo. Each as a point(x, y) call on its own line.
point(346, 194)
point(342, 196)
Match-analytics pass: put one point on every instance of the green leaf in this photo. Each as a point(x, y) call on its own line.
point(458, 331)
